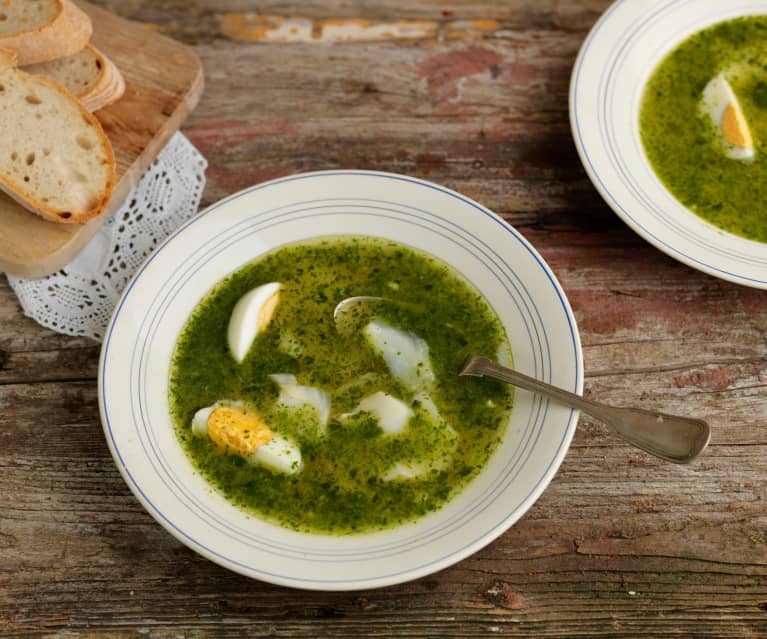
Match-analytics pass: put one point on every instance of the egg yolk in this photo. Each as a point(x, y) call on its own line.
point(238, 432)
point(266, 311)
point(735, 128)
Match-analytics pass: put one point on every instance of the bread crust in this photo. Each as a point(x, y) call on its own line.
point(7, 60)
point(29, 201)
point(69, 32)
point(109, 88)
point(105, 84)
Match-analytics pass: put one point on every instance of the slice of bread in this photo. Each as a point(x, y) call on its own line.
point(55, 158)
point(39, 30)
point(89, 75)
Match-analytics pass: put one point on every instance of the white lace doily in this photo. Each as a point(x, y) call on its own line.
point(79, 299)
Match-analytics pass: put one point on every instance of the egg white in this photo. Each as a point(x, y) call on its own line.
point(439, 459)
point(439, 422)
point(200, 421)
point(293, 394)
point(718, 97)
point(406, 354)
point(251, 315)
point(402, 471)
point(279, 454)
point(391, 414)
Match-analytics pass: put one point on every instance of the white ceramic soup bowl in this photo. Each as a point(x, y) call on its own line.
point(613, 67)
point(137, 350)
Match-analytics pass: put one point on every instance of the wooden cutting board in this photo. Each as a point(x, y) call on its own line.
point(164, 82)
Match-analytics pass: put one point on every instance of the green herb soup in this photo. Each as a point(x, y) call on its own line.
point(684, 129)
point(371, 424)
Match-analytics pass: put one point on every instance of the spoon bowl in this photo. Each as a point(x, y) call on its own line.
point(351, 313)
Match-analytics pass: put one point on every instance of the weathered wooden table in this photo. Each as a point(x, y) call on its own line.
point(472, 95)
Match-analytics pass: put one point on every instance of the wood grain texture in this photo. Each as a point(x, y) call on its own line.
point(163, 84)
point(620, 545)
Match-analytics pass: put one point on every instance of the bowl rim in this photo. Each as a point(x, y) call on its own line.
point(406, 575)
point(739, 274)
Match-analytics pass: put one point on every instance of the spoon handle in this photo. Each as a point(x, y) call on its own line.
point(675, 439)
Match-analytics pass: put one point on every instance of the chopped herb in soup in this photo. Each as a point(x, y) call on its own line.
point(339, 428)
point(703, 123)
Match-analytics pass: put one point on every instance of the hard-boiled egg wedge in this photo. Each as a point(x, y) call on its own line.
point(391, 414)
point(406, 354)
point(251, 315)
point(721, 105)
point(439, 457)
point(293, 394)
point(238, 429)
point(407, 470)
point(428, 405)
point(503, 355)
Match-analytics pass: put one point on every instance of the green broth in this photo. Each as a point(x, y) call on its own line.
point(340, 489)
point(682, 144)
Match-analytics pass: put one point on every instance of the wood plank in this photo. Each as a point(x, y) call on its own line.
point(201, 20)
point(486, 119)
point(31, 353)
point(163, 84)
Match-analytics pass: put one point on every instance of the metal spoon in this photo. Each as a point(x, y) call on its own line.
point(675, 439)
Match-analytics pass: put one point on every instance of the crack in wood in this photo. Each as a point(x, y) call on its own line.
point(673, 368)
point(40, 382)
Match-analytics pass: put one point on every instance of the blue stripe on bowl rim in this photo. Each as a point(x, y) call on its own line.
point(380, 580)
point(594, 174)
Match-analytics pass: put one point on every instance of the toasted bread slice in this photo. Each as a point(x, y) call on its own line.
point(88, 74)
point(40, 30)
point(55, 158)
